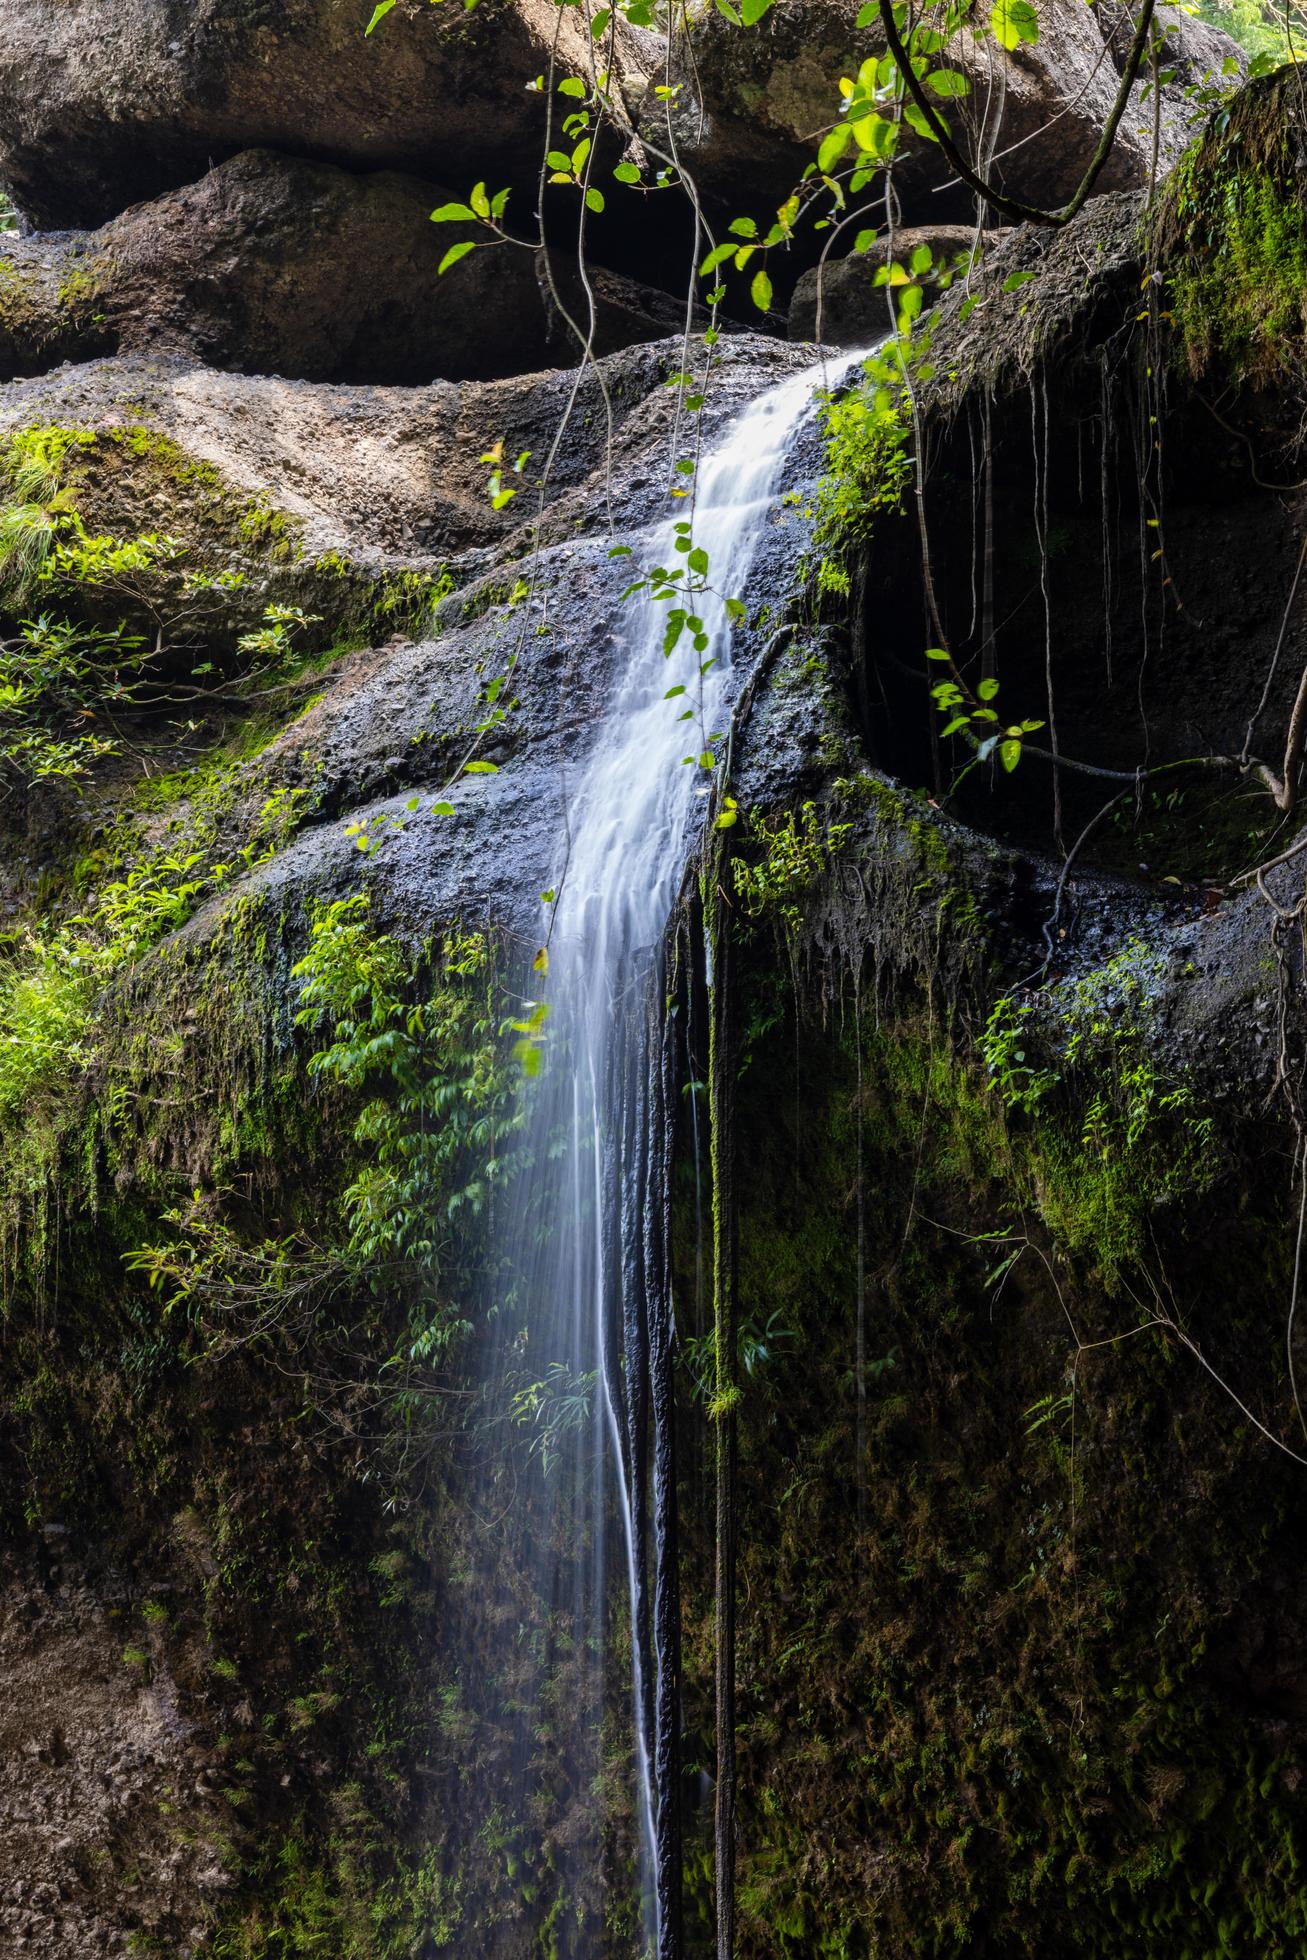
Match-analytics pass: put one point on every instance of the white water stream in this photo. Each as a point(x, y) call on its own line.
point(587, 1244)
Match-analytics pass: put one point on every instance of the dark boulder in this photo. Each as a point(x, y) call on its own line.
point(275, 265)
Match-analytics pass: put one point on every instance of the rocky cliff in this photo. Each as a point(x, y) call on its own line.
point(294, 527)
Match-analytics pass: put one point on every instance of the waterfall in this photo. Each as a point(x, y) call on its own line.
point(585, 1244)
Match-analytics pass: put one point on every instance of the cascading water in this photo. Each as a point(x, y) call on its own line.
point(584, 1251)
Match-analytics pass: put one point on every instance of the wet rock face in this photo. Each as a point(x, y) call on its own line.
point(114, 100)
point(106, 1812)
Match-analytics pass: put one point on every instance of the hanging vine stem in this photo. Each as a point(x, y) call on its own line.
point(726, 1392)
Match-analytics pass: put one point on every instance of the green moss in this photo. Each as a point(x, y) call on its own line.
point(1231, 237)
point(995, 1715)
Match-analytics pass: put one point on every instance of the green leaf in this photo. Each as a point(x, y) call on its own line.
point(987, 690)
point(1013, 22)
point(924, 127)
point(572, 86)
point(833, 147)
point(379, 13)
point(718, 256)
point(594, 199)
point(454, 254)
point(865, 240)
point(921, 261)
point(442, 809)
point(752, 11)
point(1015, 280)
point(626, 173)
point(481, 768)
point(744, 227)
point(559, 160)
point(446, 214)
point(1009, 754)
point(672, 693)
point(875, 134)
point(762, 291)
point(479, 201)
point(947, 82)
point(725, 7)
point(938, 653)
point(868, 15)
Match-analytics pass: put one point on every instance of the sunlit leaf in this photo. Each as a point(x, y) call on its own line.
point(454, 254)
point(1013, 22)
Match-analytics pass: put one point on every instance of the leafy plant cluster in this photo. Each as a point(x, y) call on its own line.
point(436, 1120)
point(1103, 1021)
point(794, 852)
point(868, 465)
point(115, 614)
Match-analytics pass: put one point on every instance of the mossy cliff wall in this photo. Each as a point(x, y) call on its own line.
point(1020, 1601)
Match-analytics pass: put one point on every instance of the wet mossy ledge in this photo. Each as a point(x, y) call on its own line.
point(124, 525)
point(1047, 1678)
point(1230, 240)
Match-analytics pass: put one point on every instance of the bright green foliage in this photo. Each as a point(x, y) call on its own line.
point(1269, 34)
point(868, 463)
point(1004, 1046)
point(794, 854)
point(56, 679)
point(435, 1114)
point(46, 986)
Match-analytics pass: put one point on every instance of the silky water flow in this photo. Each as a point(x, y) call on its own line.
point(581, 1248)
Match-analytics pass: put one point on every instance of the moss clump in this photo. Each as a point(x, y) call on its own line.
point(1231, 239)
